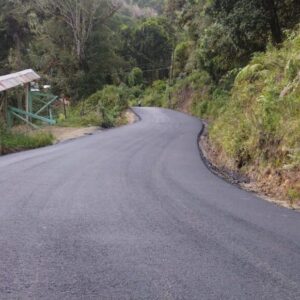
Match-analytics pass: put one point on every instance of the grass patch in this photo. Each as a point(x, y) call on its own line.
point(14, 142)
point(76, 119)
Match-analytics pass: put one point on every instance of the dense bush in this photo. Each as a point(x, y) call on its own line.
point(156, 95)
point(103, 108)
point(135, 77)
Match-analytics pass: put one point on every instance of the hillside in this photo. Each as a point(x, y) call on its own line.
point(258, 130)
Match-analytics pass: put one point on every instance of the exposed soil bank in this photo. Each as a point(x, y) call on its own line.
point(270, 185)
point(62, 134)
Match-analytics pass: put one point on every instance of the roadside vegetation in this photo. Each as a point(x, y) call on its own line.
point(103, 108)
point(13, 142)
point(258, 129)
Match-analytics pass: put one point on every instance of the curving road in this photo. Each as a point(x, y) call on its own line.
point(133, 213)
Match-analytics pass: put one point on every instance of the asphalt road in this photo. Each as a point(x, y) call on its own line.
point(133, 213)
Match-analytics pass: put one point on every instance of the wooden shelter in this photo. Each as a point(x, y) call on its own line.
point(26, 113)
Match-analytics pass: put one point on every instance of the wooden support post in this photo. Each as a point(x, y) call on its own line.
point(50, 114)
point(5, 107)
point(2, 113)
point(65, 110)
point(27, 100)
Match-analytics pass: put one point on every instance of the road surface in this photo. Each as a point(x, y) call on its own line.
point(133, 213)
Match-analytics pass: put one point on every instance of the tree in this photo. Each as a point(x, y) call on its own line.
point(150, 46)
point(272, 14)
point(80, 16)
point(14, 33)
point(217, 53)
point(135, 77)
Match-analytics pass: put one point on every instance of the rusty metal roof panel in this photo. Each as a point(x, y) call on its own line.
point(13, 80)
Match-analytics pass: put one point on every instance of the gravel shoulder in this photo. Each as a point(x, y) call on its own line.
point(63, 134)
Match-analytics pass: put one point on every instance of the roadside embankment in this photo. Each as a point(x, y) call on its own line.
point(253, 131)
point(267, 185)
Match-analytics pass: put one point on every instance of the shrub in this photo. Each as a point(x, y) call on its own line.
point(156, 95)
point(181, 56)
point(103, 108)
point(135, 77)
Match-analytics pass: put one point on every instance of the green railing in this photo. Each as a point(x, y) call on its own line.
point(39, 109)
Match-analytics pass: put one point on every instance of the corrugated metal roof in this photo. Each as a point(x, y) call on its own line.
point(12, 80)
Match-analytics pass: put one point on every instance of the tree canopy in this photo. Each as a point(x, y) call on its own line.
point(78, 46)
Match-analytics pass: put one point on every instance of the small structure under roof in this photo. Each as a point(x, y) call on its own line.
point(37, 105)
point(21, 78)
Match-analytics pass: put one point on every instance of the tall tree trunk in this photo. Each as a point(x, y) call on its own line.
point(271, 9)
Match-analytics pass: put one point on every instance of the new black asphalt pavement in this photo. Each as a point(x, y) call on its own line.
point(133, 213)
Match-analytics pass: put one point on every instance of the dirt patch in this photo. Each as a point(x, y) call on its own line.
point(270, 185)
point(279, 186)
point(184, 100)
point(23, 129)
point(130, 116)
point(62, 134)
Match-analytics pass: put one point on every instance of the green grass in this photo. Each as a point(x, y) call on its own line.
point(293, 196)
point(14, 142)
point(75, 119)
